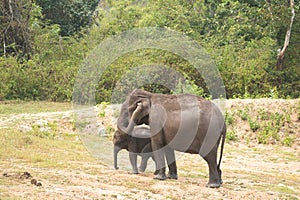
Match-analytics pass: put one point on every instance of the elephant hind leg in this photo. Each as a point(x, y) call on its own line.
point(220, 175)
point(171, 160)
point(215, 180)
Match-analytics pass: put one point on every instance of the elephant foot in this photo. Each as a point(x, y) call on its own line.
point(160, 177)
point(142, 169)
point(134, 172)
point(213, 185)
point(172, 176)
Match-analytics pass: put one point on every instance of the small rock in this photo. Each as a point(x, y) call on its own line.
point(281, 185)
point(26, 175)
point(237, 189)
point(45, 129)
point(101, 131)
point(270, 193)
point(35, 182)
point(5, 174)
point(25, 128)
point(39, 184)
point(41, 123)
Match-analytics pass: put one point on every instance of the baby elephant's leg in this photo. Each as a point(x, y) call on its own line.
point(146, 153)
point(133, 161)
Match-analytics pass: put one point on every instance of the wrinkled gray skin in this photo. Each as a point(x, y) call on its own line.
point(135, 146)
point(185, 123)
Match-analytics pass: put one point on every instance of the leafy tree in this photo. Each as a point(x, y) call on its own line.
point(71, 15)
point(15, 19)
point(43, 43)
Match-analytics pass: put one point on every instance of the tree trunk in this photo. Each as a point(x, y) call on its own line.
point(287, 38)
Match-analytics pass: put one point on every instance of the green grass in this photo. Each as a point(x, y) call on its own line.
point(18, 107)
point(41, 151)
point(282, 189)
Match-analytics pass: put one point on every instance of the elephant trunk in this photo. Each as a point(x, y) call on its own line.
point(126, 123)
point(116, 151)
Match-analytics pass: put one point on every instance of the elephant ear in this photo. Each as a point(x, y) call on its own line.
point(123, 119)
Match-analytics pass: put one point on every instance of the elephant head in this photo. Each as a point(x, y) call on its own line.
point(134, 111)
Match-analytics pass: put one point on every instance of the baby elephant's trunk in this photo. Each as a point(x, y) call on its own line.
point(116, 151)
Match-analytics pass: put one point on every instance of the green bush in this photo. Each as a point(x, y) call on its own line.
point(288, 140)
point(240, 39)
point(231, 135)
point(229, 118)
point(243, 114)
point(254, 125)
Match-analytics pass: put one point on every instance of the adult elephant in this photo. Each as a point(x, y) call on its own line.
point(185, 123)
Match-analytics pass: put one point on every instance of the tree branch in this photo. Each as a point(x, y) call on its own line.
point(287, 38)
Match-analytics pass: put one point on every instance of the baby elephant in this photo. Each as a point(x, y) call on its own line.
point(135, 146)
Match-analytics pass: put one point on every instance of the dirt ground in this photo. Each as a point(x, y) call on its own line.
point(250, 170)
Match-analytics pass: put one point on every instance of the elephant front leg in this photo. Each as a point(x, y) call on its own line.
point(160, 172)
point(133, 162)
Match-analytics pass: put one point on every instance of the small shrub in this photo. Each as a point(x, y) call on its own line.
point(243, 114)
point(274, 93)
point(268, 132)
point(102, 107)
point(110, 130)
point(288, 118)
point(36, 131)
point(229, 118)
point(231, 135)
point(102, 113)
point(263, 136)
point(53, 126)
point(247, 139)
point(263, 115)
point(277, 119)
point(288, 140)
point(254, 125)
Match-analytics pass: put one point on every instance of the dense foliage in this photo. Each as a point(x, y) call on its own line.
point(43, 44)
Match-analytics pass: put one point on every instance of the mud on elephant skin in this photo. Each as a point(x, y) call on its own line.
point(185, 123)
point(135, 146)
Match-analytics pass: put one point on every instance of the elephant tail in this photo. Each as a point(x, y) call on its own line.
point(222, 144)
